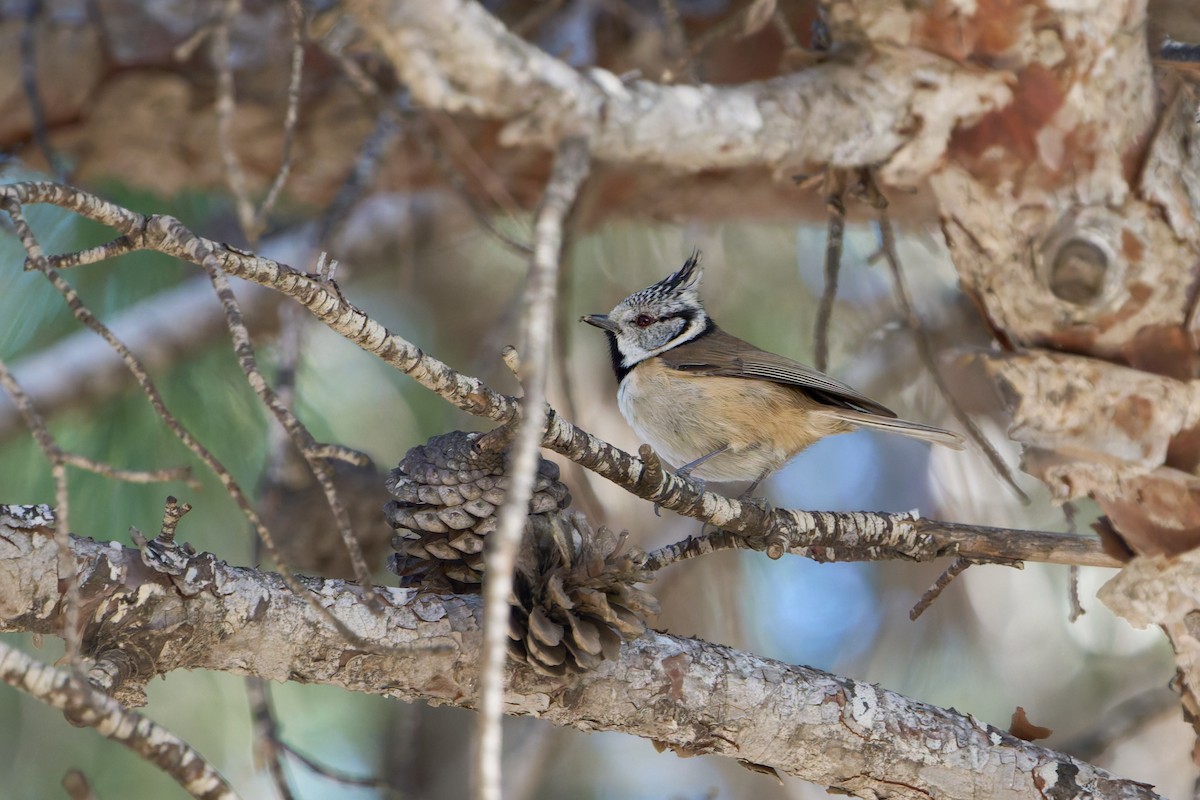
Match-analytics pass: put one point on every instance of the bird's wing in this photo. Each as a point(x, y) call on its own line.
point(719, 353)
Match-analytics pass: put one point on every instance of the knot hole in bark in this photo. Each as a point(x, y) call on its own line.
point(1078, 260)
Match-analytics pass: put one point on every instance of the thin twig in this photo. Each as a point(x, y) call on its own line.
point(790, 42)
point(86, 706)
point(78, 370)
point(226, 108)
point(712, 540)
point(676, 40)
point(337, 775)
point(835, 203)
point(291, 115)
point(571, 166)
point(266, 734)
point(55, 454)
point(746, 21)
point(533, 20)
point(1076, 607)
point(887, 243)
point(475, 165)
point(301, 438)
point(454, 176)
point(362, 173)
point(41, 137)
point(334, 44)
point(956, 568)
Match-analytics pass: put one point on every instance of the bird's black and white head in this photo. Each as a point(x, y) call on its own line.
point(655, 319)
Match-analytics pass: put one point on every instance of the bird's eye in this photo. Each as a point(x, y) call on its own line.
point(644, 321)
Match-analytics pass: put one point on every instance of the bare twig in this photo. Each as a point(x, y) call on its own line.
point(55, 454)
point(533, 20)
point(266, 734)
point(362, 174)
point(790, 42)
point(79, 370)
point(301, 438)
point(676, 41)
point(887, 244)
point(571, 166)
point(334, 43)
point(711, 540)
point(226, 108)
point(956, 568)
point(337, 775)
point(41, 137)
point(1070, 511)
point(291, 115)
point(85, 706)
point(835, 190)
point(453, 176)
point(746, 21)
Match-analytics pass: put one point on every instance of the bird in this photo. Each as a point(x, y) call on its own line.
point(717, 407)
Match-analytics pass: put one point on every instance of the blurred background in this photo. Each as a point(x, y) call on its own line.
point(128, 113)
point(998, 638)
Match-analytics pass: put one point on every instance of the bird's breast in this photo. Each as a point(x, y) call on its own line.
point(684, 416)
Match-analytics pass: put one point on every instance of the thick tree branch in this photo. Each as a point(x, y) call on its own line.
point(692, 695)
point(455, 56)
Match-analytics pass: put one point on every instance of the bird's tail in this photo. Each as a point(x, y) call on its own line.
point(915, 430)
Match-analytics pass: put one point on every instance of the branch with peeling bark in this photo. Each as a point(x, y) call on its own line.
point(454, 55)
point(694, 696)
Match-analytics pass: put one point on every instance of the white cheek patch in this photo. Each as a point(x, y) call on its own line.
point(686, 335)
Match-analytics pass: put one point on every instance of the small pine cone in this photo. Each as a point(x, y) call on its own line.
point(448, 494)
point(574, 598)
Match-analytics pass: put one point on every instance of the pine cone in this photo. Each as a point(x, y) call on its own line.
point(573, 596)
point(573, 599)
point(448, 493)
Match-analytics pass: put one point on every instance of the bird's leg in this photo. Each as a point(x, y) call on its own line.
point(685, 472)
point(748, 495)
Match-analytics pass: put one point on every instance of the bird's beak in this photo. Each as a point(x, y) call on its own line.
point(600, 321)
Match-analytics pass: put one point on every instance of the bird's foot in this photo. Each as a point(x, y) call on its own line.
point(757, 501)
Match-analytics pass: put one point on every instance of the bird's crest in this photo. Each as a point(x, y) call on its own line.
point(682, 285)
